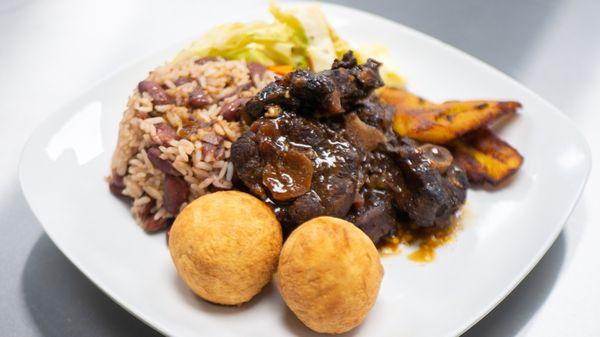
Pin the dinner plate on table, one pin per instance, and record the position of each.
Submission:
(504, 232)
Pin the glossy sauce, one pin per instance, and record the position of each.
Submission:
(426, 243)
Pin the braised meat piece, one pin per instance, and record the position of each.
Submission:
(435, 192)
(421, 178)
(248, 163)
(323, 144)
(372, 112)
(327, 93)
(375, 208)
(362, 135)
(301, 166)
(376, 217)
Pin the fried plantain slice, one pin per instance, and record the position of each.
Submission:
(426, 121)
(485, 157)
(402, 99)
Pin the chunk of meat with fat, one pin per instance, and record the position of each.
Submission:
(433, 197)
(298, 161)
(288, 176)
(362, 135)
(376, 217)
(327, 93)
(248, 163)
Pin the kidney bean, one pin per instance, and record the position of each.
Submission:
(220, 152)
(152, 225)
(158, 94)
(116, 184)
(141, 114)
(145, 211)
(165, 133)
(256, 69)
(211, 138)
(231, 111)
(198, 99)
(175, 193)
(183, 80)
(161, 164)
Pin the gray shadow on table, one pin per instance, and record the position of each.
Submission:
(56, 292)
(515, 311)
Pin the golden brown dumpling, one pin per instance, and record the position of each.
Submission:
(225, 246)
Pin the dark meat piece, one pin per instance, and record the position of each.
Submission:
(247, 163)
(323, 144)
(315, 167)
(420, 178)
(328, 93)
(274, 94)
(354, 81)
(433, 196)
(376, 217)
(183, 80)
(317, 93)
(383, 174)
(375, 209)
(306, 207)
(373, 113)
(362, 135)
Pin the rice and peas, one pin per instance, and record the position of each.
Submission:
(177, 133)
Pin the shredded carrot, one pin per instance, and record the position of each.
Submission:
(281, 69)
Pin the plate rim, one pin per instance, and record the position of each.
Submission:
(581, 142)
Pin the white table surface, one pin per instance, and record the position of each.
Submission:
(51, 50)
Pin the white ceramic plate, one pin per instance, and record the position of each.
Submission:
(505, 232)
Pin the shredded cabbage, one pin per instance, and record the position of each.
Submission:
(266, 43)
(289, 40)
